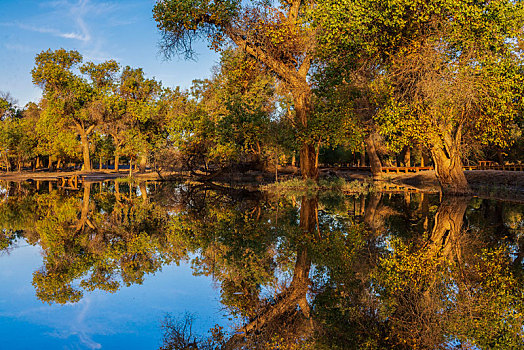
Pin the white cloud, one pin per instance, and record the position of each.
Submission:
(76, 36)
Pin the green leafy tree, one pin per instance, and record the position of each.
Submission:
(71, 101)
(278, 36)
(445, 71)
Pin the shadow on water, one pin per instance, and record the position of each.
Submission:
(323, 271)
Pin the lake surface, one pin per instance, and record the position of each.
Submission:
(118, 265)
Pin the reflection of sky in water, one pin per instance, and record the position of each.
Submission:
(130, 318)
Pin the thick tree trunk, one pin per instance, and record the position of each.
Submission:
(307, 162)
(374, 160)
(448, 168)
(117, 162)
(308, 167)
(85, 151)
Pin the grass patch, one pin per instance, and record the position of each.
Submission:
(302, 187)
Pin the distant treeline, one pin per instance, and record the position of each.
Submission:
(336, 82)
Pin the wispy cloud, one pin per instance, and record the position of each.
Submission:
(84, 35)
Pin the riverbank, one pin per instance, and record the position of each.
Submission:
(92, 176)
(486, 182)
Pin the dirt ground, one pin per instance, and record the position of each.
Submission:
(87, 176)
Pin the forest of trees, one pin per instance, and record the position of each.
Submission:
(367, 82)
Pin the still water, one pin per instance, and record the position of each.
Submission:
(118, 265)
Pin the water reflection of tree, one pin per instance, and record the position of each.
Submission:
(402, 275)
(322, 272)
(451, 289)
(96, 238)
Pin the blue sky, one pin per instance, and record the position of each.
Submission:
(99, 30)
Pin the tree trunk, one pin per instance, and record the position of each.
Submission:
(308, 168)
(85, 151)
(500, 157)
(363, 155)
(117, 162)
(448, 168)
(374, 160)
(307, 162)
(407, 156)
(317, 151)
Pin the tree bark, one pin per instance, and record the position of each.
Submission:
(85, 151)
(117, 163)
(308, 168)
(307, 162)
(449, 171)
(374, 160)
